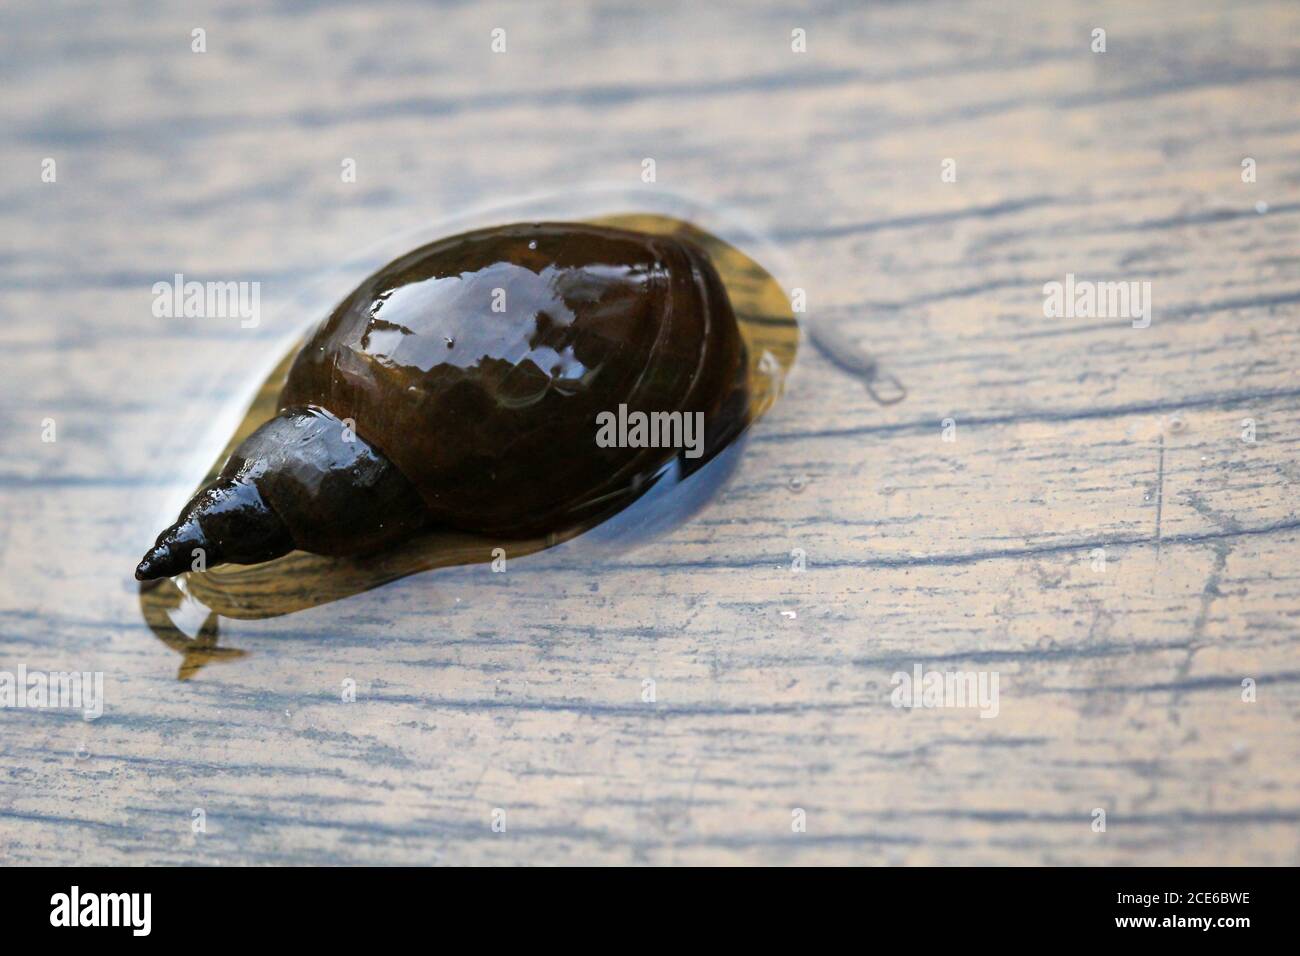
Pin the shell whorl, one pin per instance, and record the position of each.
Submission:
(478, 365)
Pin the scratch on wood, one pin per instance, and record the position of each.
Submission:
(1160, 492)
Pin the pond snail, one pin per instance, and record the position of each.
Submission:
(459, 387)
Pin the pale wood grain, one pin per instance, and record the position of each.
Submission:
(522, 690)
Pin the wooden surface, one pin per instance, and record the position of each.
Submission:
(1120, 689)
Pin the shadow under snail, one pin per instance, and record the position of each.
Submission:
(460, 386)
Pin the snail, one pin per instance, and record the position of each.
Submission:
(459, 387)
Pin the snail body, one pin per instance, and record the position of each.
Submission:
(460, 387)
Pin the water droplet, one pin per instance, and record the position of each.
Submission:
(1261, 207)
(798, 483)
(846, 354)
(532, 244)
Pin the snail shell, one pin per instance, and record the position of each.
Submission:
(459, 387)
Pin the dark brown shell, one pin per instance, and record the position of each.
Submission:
(478, 365)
